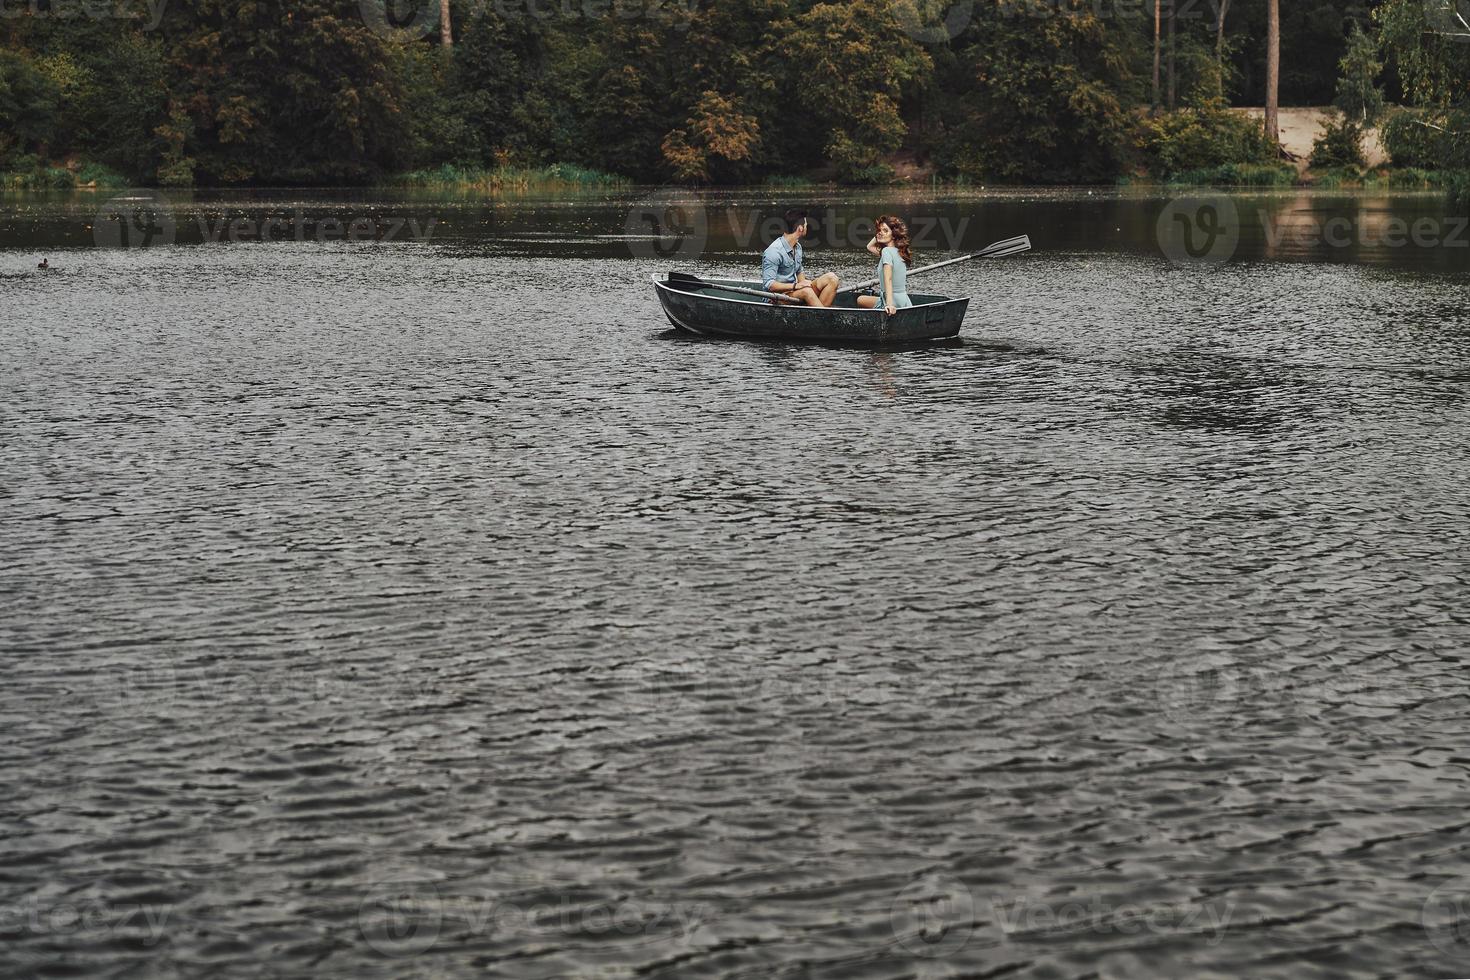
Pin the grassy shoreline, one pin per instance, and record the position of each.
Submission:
(87, 176)
(94, 176)
(1236, 176)
(508, 178)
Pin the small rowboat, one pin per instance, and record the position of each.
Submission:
(707, 306)
(739, 308)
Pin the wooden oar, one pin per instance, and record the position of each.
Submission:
(1011, 246)
(685, 279)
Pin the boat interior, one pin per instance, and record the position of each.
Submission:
(711, 288)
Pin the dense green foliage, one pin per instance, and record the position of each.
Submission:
(1026, 96)
(1431, 47)
(1196, 138)
(721, 91)
(1358, 94)
(1339, 145)
(1408, 141)
(1239, 175)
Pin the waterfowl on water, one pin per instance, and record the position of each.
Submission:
(44, 264)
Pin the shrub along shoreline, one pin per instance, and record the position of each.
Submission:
(1233, 176)
(1208, 144)
(1241, 176)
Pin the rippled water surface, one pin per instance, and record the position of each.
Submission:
(423, 606)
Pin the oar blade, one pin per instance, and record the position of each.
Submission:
(1011, 246)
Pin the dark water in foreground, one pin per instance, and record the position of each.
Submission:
(423, 607)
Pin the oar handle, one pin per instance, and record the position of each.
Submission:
(684, 278)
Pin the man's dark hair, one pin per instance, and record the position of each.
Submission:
(794, 218)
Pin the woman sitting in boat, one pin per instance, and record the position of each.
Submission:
(890, 243)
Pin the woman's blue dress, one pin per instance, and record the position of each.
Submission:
(901, 299)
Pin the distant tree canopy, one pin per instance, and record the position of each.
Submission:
(340, 91)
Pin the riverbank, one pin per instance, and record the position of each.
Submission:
(71, 175)
(1302, 125)
(82, 175)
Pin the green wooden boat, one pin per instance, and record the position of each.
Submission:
(727, 308)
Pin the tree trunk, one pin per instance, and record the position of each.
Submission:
(1220, 44)
(446, 36)
(1273, 69)
(1173, 50)
(1158, 37)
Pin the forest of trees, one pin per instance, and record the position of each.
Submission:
(206, 92)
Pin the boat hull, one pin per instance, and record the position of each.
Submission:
(714, 312)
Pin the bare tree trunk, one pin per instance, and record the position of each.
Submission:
(1273, 69)
(446, 36)
(1220, 44)
(1158, 36)
(1173, 49)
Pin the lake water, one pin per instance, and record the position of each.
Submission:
(421, 605)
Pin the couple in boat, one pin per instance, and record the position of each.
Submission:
(781, 270)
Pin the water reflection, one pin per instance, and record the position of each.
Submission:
(1397, 229)
(881, 371)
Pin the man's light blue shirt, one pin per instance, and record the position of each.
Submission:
(780, 263)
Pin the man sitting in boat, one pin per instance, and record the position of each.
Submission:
(781, 266)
